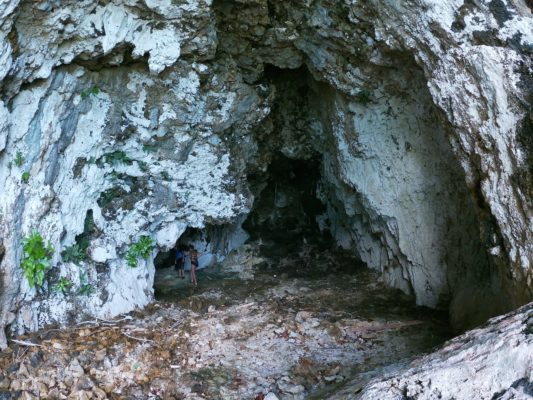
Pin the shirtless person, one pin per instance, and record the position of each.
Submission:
(179, 263)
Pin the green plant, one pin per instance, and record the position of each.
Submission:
(63, 285)
(165, 175)
(143, 166)
(142, 249)
(117, 157)
(73, 254)
(25, 177)
(363, 97)
(87, 92)
(149, 148)
(19, 159)
(108, 196)
(86, 289)
(36, 259)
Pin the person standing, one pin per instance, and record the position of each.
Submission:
(193, 254)
(179, 263)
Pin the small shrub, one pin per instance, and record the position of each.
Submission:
(149, 148)
(117, 157)
(165, 175)
(25, 177)
(91, 91)
(36, 259)
(19, 159)
(363, 97)
(142, 249)
(63, 285)
(108, 196)
(74, 254)
(86, 289)
(143, 166)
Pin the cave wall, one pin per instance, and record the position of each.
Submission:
(396, 189)
(152, 114)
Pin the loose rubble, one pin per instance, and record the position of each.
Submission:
(283, 335)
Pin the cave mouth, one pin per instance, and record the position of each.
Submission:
(285, 217)
(372, 173)
(287, 211)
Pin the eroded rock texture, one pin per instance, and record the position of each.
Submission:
(147, 117)
(501, 350)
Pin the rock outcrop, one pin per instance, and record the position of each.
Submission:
(492, 362)
(133, 118)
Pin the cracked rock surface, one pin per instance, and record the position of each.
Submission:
(126, 119)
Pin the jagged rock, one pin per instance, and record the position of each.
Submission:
(5, 383)
(494, 361)
(143, 118)
(286, 386)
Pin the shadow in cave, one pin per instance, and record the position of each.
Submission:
(285, 214)
(282, 222)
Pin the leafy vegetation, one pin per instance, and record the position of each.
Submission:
(19, 159)
(86, 289)
(78, 251)
(140, 249)
(149, 148)
(107, 197)
(91, 91)
(63, 285)
(363, 97)
(165, 175)
(117, 157)
(36, 259)
(143, 166)
(25, 177)
(74, 254)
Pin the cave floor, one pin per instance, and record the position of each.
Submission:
(301, 326)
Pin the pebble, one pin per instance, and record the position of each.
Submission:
(27, 396)
(286, 386)
(5, 383)
(16, 385)
(100, 355)
(243, 348)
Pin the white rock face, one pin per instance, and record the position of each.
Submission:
(143, 118)
(394, 154)
(492, 362)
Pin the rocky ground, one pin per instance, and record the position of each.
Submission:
(286, 327)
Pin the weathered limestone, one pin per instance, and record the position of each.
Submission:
(492, 362)
(145, 118)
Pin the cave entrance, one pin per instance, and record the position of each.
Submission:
(287, 211)
(285, 216)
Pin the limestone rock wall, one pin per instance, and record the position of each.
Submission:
(148, 115)
(501, 349)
